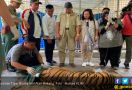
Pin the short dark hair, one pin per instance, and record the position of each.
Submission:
(124, 9)
(30, 39)
(49, 6)
(90, 12)
(35, 1)
(106, 8)
(68, 5)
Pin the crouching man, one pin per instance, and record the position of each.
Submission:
(25, 59)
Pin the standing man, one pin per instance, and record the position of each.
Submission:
(34, 20)
(68, 30)
(49, 33)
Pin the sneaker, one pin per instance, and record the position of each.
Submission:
(91, 64)
(72, 65)
(126, 66)
(61, 65)
(79, 51)
(84, 64)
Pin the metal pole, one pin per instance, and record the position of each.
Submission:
(80, 2)
(46, 2)
(118, 6)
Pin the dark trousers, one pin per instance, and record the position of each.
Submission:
(112, 54)
(38, 43)
(49, 50)
(128, 56)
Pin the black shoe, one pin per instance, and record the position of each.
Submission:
(61, 65)
(72, 64)
(126, 66)
(102, 64)
(54, 62)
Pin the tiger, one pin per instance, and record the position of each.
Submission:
(81, 79)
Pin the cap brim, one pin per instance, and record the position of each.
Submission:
(19, 2)
(38, 2)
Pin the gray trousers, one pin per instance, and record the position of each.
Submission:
(128, 56)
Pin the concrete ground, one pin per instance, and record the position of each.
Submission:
(78, 61)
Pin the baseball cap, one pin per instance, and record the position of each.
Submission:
(35, 1)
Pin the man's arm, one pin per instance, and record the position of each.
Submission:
(58, 27)
(18, 65)
(4, 12)
(24, 18)
(45, 26)
(78, 28)
(96, 30)
(23, 67)
(58, 30)
(39, 57)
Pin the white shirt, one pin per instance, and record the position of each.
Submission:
(48, 24)
(90, 29)
(37, 27)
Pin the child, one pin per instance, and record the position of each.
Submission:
(89, 36)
